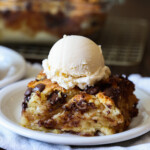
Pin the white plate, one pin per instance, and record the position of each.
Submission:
(11, 98)
(12, 66)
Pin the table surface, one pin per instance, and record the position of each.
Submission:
(134, 9)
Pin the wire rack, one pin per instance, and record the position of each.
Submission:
(123, 41)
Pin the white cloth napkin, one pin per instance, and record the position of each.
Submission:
(12, 141)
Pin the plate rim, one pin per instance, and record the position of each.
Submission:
(19, 74)
(56, 138)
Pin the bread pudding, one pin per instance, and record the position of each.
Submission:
(76, 93)
(107, 107)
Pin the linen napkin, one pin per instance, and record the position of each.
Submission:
(12, 141)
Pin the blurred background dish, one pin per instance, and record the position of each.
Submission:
(12, 66)
(42, 22)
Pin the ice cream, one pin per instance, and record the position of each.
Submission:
(75, 61)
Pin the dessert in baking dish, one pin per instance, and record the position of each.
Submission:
(76, 93)
(46, 21)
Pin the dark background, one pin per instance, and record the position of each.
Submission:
(135, 9)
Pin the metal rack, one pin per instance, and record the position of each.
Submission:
(123, 41)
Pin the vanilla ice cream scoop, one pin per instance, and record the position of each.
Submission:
(75, 61)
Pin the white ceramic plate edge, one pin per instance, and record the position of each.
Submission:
(57, 139)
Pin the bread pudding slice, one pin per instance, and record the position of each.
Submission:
(107, 107)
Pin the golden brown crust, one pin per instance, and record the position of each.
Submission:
(51, 108)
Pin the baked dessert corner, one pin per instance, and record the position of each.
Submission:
(106, 108)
